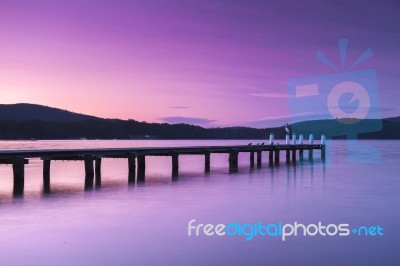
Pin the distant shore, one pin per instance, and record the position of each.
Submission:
(36, 122)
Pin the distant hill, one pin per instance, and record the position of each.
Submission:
(25, 111)
(28, 121)
(393, 119)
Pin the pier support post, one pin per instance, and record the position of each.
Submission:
(97, 170)
(311, 139)
(46, 175)
(89, 171)
(310, 151)
(271, 158)
(277, 151)
(131, 168)
(252, 159)
(287, 156)
(301, 155)
(310, 154)
(207, 161)
(141, 161)
(259, 159)
(19, 177)
(271, 138)
(175, 165)
(294, 155)
(323, 141)
(233, 161)
(301, 139)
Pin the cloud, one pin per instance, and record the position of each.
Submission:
(298, 115)
(270, 94)
(272, 121)
(178, 107)
(186, 120)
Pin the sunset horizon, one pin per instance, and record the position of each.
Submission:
(210, 63)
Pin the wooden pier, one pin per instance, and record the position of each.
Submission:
(136, 158)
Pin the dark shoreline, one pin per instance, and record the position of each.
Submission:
(34, 122)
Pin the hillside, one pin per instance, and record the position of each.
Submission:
(25, 111)
(28, 121)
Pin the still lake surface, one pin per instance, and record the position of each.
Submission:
(146, 224)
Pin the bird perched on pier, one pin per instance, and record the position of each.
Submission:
(288, 129)
(262, 143)
(249, 144)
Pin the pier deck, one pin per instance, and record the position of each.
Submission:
(137, 162)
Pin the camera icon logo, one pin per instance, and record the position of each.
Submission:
(339, 105)
(358, 92)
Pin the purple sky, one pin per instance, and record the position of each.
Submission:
(210, 63)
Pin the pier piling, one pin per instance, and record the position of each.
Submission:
(277, 157)
(310, 151)
(271, 158)
(301, 155)
(287, 156)
(233, 161)
(301, 139)
(323, 141)
(97, 171)
(252, 159)
(271, 139)
(175, 165)
(141, 161)
(310, 154)
(294, 139)
(259, 159)
(294, 155)
(46, 175)
(89, 171)
(207, 161)
(19, 176)
(131, 168)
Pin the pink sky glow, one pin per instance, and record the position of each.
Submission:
(220, 62)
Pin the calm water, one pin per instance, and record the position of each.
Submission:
(146, 224)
